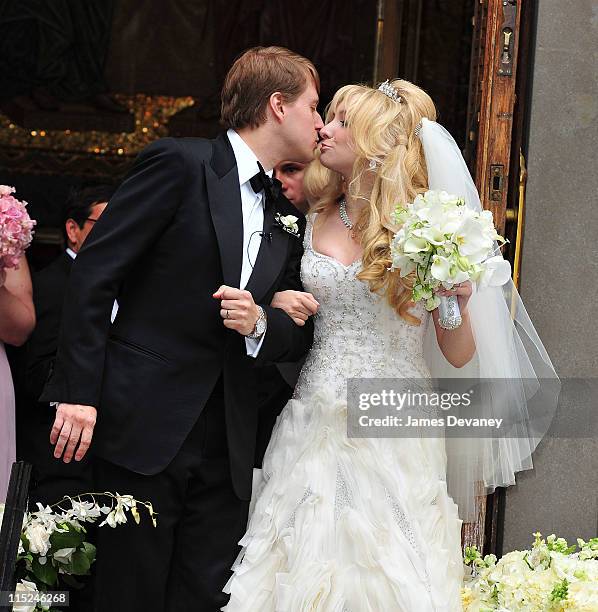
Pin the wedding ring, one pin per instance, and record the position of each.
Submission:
(226, 314)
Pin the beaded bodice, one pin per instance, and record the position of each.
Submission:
(356, 332)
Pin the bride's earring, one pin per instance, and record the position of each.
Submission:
(373, 163)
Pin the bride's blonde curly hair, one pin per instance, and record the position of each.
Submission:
(382, 130)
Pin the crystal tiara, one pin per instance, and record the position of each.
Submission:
(387, 89)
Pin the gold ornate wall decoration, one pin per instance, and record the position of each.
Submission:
(78, 152)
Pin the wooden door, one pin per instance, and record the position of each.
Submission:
(491, 123)
(494, 126)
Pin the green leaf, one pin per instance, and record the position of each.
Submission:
(69, 539)
(44, 573)
(71, 581)
(25, 542)
(80, 564)
(90, 551)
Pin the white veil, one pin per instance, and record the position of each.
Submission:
(507, 347)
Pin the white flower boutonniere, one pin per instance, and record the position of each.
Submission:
(288, 223)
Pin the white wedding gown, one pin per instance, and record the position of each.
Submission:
(349, 524)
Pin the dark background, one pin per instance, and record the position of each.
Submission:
(184, 48)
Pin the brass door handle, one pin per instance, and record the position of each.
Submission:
(517, 216)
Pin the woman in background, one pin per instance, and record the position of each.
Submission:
(17, 320)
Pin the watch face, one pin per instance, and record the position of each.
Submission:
(261, 326)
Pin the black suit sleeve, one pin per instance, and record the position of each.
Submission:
(136, 215)
(285, 340)
(40, 350)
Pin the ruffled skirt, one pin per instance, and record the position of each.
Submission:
(348, 524)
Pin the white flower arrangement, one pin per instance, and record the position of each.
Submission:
(446, 243)
(288, 223)
(53, 549)
(551, 577)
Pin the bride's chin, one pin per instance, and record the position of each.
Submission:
(327, 164)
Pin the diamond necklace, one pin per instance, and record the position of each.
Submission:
(342, 211)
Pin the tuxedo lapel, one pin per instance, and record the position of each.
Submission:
(224, 198)
(271, 257)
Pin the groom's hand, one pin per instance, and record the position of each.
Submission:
(73, 424)
(237, 309)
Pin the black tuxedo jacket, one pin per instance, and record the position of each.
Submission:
(50, 479)
(170, 236)
(49, 286)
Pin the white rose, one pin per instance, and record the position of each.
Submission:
(39, 539)
(25, 586)
(289, 220)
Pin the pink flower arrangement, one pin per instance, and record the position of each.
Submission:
(16, 228)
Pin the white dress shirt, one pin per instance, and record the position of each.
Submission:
(252, 206)
(72, 254)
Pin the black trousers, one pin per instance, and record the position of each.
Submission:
(185, 561)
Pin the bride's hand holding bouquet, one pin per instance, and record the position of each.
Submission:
(447, 246)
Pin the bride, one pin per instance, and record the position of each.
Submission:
(345, 524)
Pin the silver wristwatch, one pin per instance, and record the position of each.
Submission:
(260, 325)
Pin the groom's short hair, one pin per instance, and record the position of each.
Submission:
(255, 76)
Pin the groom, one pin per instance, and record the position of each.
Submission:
(165, 397)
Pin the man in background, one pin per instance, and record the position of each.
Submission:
(51, 478)
(290, 174)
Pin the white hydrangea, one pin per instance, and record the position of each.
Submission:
(547, 578)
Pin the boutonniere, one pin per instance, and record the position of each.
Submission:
(287, 223)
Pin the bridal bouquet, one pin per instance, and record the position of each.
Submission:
(446, 243)
(15, 228)
(53, 549)
(548, 578)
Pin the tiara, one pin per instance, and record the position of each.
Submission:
(387, 89)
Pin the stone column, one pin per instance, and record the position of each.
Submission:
(559, 278)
